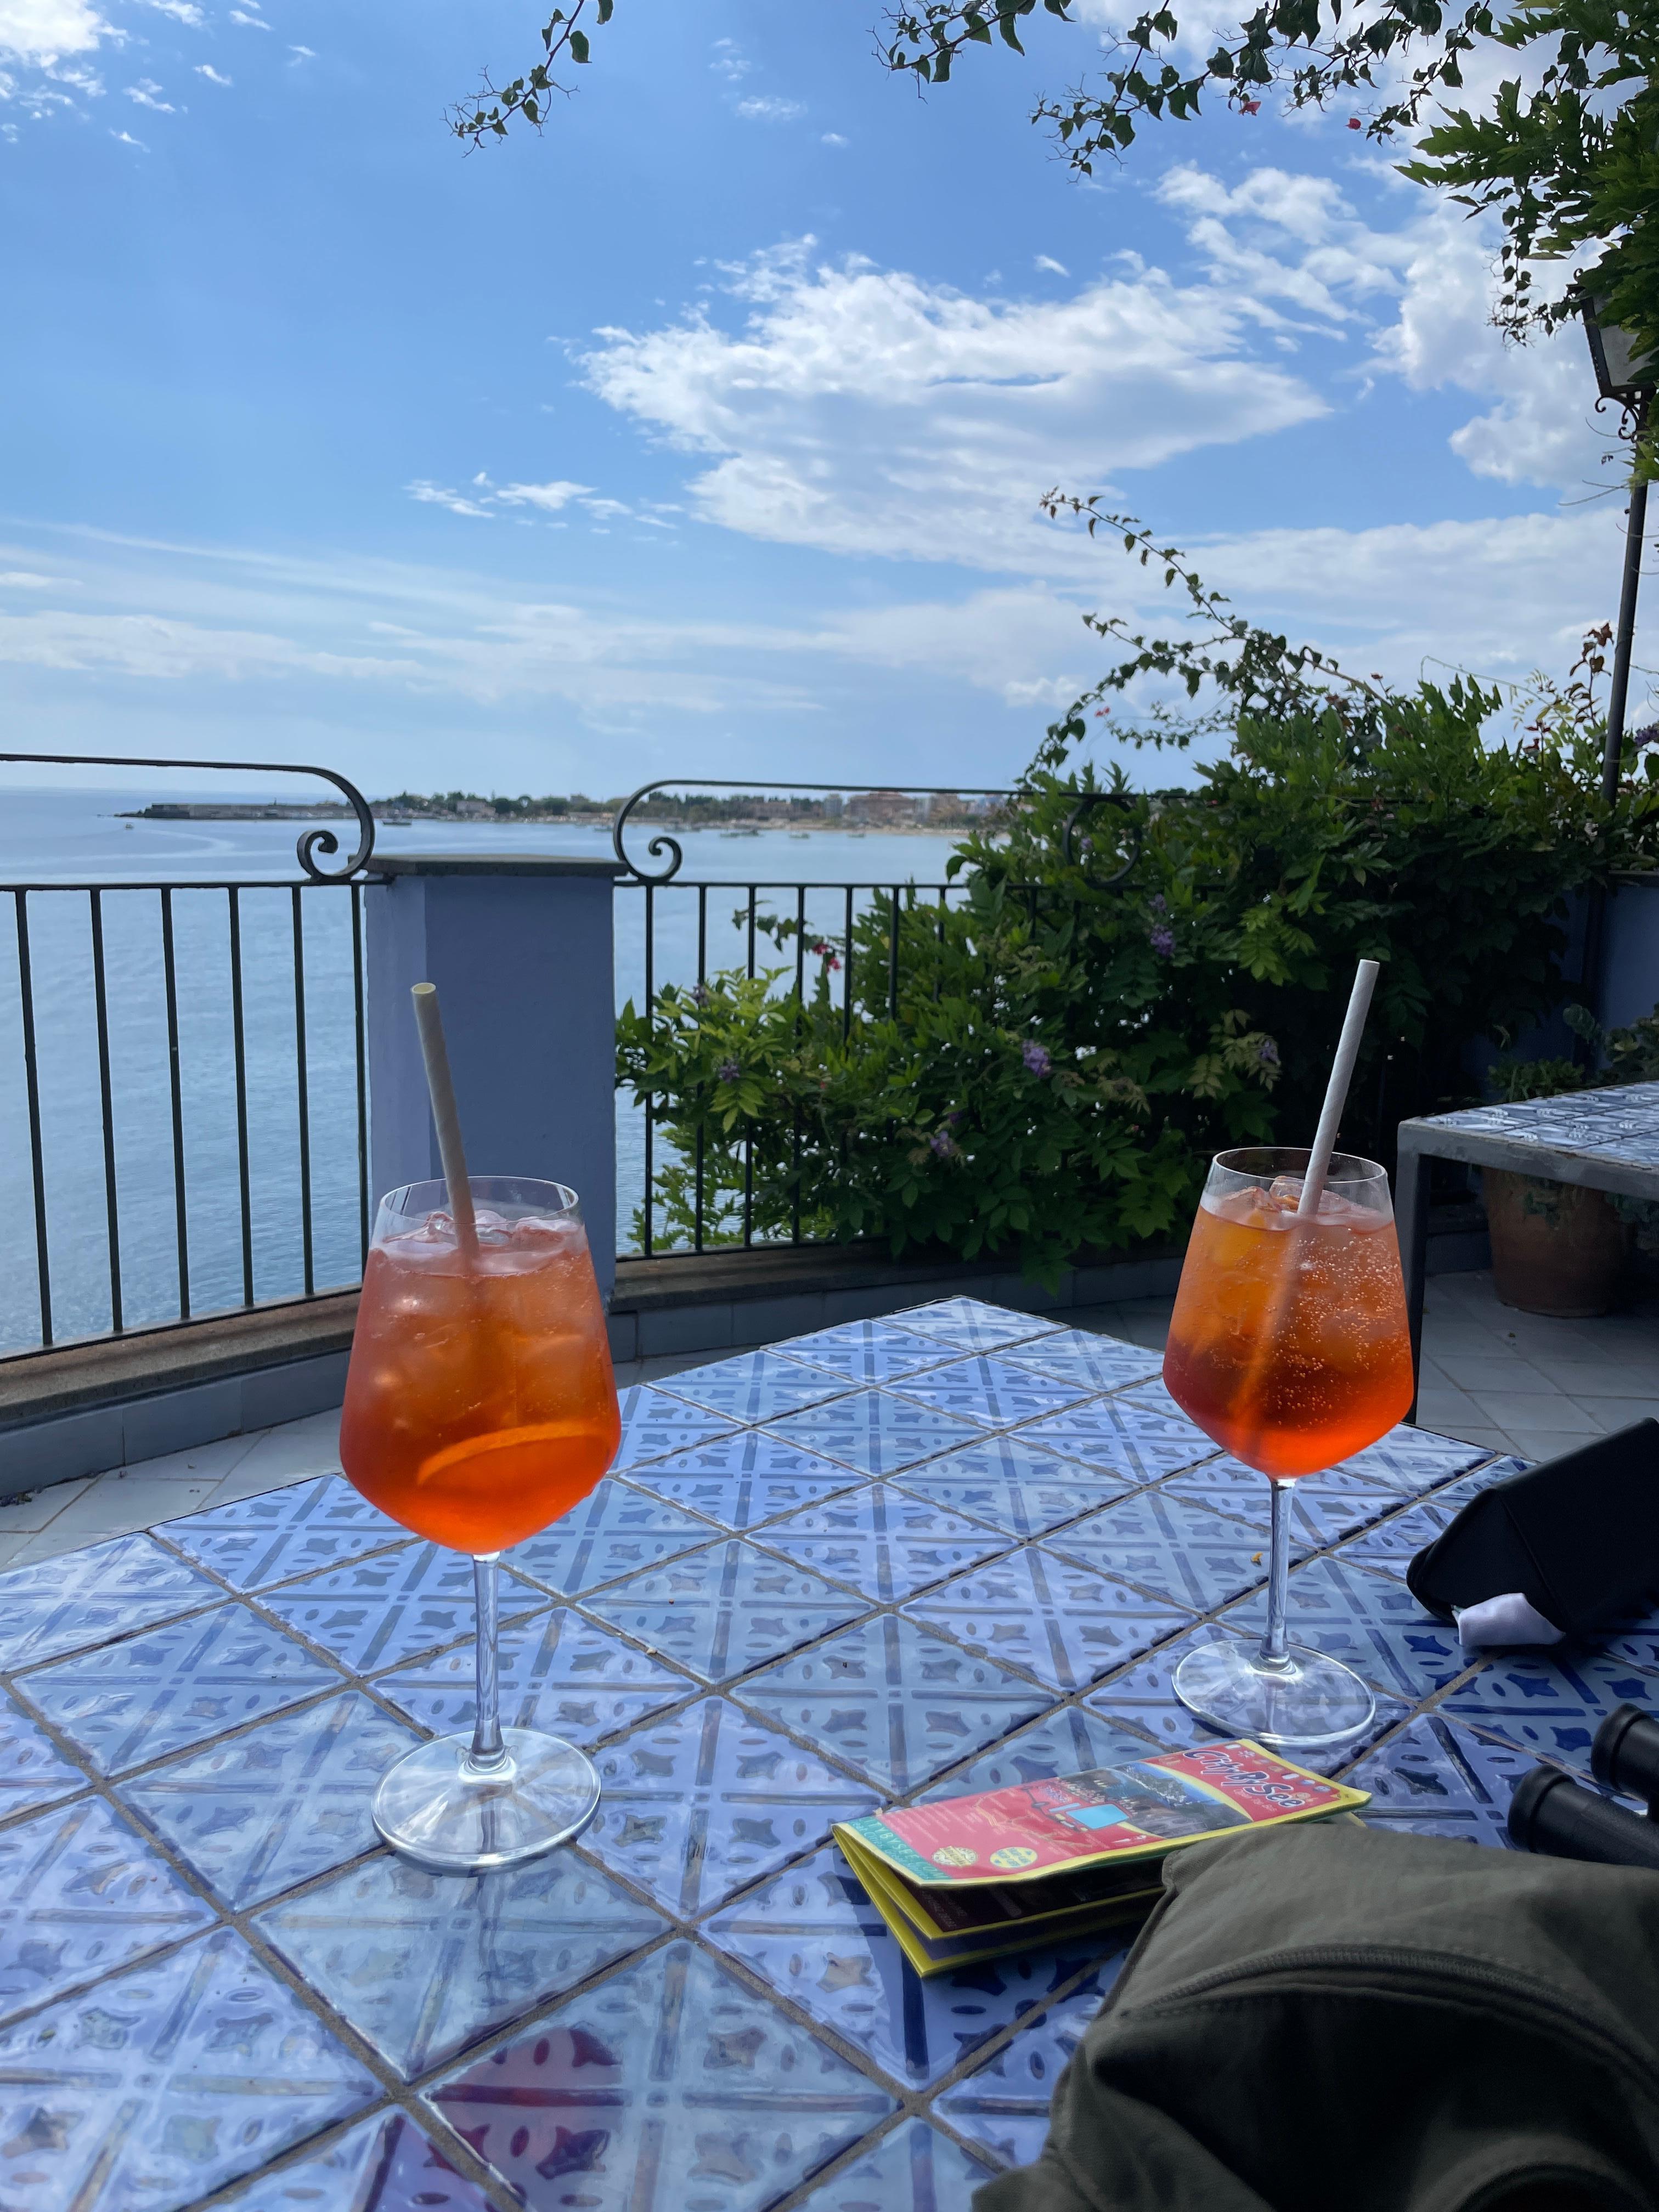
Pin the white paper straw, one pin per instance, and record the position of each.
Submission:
(1336, 1090)
(430, 1023)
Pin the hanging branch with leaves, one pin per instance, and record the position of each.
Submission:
(528, 95)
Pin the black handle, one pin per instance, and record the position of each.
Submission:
(1552, 1813)
(1624, 1756)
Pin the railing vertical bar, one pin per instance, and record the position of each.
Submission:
(32, 1081)
(107, 1109)
(794, 1140)
(650, 1209)
(847, 971)
(302, 1096)
(702, 971)
(939, 965)
(363, 1066)
(238, 1042)
(893, 957)
(169, 969)
(748, 1138)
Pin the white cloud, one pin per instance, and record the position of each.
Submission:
(832, 138)
(126, 138)
(26, 579)
(729, 60)
(864, 411)
(250, 22)
(207, 70)
(550, 497)
(1054, 268)
(303, 53)
(182, 11)
(763, 107)
(42, 32)
(432, 495)
(147, 93)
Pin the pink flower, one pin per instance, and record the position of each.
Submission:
(1252, 107)
(1353, 123)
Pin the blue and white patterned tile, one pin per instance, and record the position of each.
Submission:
(693, 1807)
(1325, 1509)
(82, 1895)
(916, 2168)
(1411, 1460)
(756, 1386)
(166, 2083)
(1063, 1623)
(1194, 1558)
(1071, 1740)
(654, 1424)
(1003, 2107)
(973, 1324)
(720, 1612)
(812, 1935)
(1371, 1622)
(268, 1809)
(386, 1611)
(873, 1431)
(741, 1479)
(1119, 1437)
(882, 1542)
(669, 2085)
(33, 1770)
(1002, 1480)
(1392, 1543)
(1093, 1363)
(991, 1393)
(1142, 1701)
(868, 1352)
(255, 1541)
(423, 1965)
(559, 1673)
(614, 1531)
(82, 1598)
(1551, 1707)
(1154, 1396)
(1439, 1779)
(892, 1702)
(175, 1686)
(382, 2164)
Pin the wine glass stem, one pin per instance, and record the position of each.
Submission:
(487, 1747)
(1273, 1645)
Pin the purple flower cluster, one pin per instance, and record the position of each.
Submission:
(1162, 940)
(942, 1144)
(1268, 1053)
(729, 1071)
(1037, 1059)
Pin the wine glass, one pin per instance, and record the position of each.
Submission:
(480, 1406)
(1289, 1345)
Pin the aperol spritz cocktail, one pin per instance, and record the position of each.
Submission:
(480, 1407)
(1289, 1345)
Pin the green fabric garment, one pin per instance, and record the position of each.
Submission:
(1331, 2019)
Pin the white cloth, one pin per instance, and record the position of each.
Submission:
(1506, 1620)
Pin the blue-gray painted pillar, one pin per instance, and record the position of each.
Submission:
(1630, 955)
(521, 950)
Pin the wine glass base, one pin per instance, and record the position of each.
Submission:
(441, 1807)
(1307, 1703)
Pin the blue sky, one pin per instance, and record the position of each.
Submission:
(705, 432)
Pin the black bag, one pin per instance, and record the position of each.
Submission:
(1332, 2016)
(1577, 1535)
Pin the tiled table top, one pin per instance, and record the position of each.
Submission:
(902, 1558)
(1609, 1138)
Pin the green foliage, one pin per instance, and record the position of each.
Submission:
(1512, 1081)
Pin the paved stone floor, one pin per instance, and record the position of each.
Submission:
(1508, 1381)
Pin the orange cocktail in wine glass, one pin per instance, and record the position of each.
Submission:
(1289, 1345)
(480, 1406)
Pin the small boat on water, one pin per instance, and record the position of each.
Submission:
(799, 836)
(740, 833)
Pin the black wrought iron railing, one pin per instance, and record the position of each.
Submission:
(184, 1120)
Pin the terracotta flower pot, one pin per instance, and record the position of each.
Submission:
(1556, 1248)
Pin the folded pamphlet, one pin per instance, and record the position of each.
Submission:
(1040, 1863)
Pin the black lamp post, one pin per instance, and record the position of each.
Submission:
(1630, 381)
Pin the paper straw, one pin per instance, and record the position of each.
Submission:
(430, 1023)
(1336, 1090)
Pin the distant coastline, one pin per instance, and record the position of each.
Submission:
(881, 812)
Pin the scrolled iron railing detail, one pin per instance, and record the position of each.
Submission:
(1086, 806)
(310, 842)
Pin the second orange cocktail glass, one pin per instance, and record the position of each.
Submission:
(1289, 1345)
(480, 1407)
